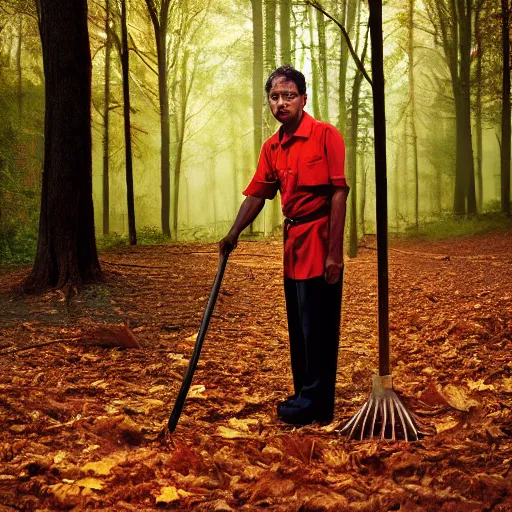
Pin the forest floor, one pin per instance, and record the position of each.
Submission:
(83, 423)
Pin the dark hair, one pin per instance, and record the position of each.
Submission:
(291, 75)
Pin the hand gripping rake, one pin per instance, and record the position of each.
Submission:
(383, 415)
(187, 380)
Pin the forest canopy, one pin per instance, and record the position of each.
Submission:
(198, 112)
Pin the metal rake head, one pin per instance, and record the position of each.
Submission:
(382, 416)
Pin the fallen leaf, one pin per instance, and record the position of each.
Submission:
(192, 338)
(479, 385)
(458, 398)
(446, 425)
(90, 483)
(171, 494)
(101, 467)
(197, 391)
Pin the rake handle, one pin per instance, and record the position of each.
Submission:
(379, 117)
(187, 380)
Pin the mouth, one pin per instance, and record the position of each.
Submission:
(283, 113)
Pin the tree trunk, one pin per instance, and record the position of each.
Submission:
(479, 40)
(106, 114)
(315, 85)
(347, 18)
(257, 75)
(322, 61)
(412, 112)
(284, 32)
(160, 22)
(66, 248)
(352, 153)
(125, 64)
(505, 116)
(179, 143)
(18, 68)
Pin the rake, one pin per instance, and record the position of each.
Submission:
(383, 415)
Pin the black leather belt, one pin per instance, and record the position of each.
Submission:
(319, 214)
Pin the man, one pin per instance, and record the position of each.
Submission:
(304, 160)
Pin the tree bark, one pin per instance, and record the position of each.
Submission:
(257, 75)
(19, 69)
(284, 32)
(160, 22)
(412, 111)
(505, 116)
(66, 249)
(315, 82)
(106, 115)
(479, 40)
(125, 64)
(322, 61)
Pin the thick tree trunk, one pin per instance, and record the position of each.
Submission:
(106, 115)
(505, 116)
(284, 32)
(125, 64)
(66, 249)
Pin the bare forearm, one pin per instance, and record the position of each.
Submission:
(337, 224)
(248, 211)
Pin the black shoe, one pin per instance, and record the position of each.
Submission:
(304, 415)
(286, 402)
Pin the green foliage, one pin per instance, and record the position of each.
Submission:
(17, 246)
(145, 236)
(454, 226)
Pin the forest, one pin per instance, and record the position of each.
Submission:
(128, 131)
(187, 79)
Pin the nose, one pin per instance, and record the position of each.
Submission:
(281, 100)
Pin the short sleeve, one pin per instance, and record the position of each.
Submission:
(335, 150)
(264, 182)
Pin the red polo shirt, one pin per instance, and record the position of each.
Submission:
(305, 168)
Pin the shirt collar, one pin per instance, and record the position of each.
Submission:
(303, 130)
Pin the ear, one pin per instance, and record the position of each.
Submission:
(304, 99)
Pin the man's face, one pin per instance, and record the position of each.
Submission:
(285, 101)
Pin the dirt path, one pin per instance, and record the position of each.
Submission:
(82, 423)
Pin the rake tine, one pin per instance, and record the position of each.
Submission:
(392, 410)
(358, 416)
(353, 420)
(375, 410)
(385, 417)
(409, 420)
(402, 419)
(366, 415)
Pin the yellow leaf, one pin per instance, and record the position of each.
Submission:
(242, 425)
(90, 483)
(101, 467)
(458, 398)
(479, 385)
(192, 338)
(197, 391)
(168, 495)
(230, 433)
(506, 382)
(157, 389)
(446, 425)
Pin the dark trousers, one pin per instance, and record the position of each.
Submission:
(314, 309)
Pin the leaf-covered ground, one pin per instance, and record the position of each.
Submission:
(82, 419)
